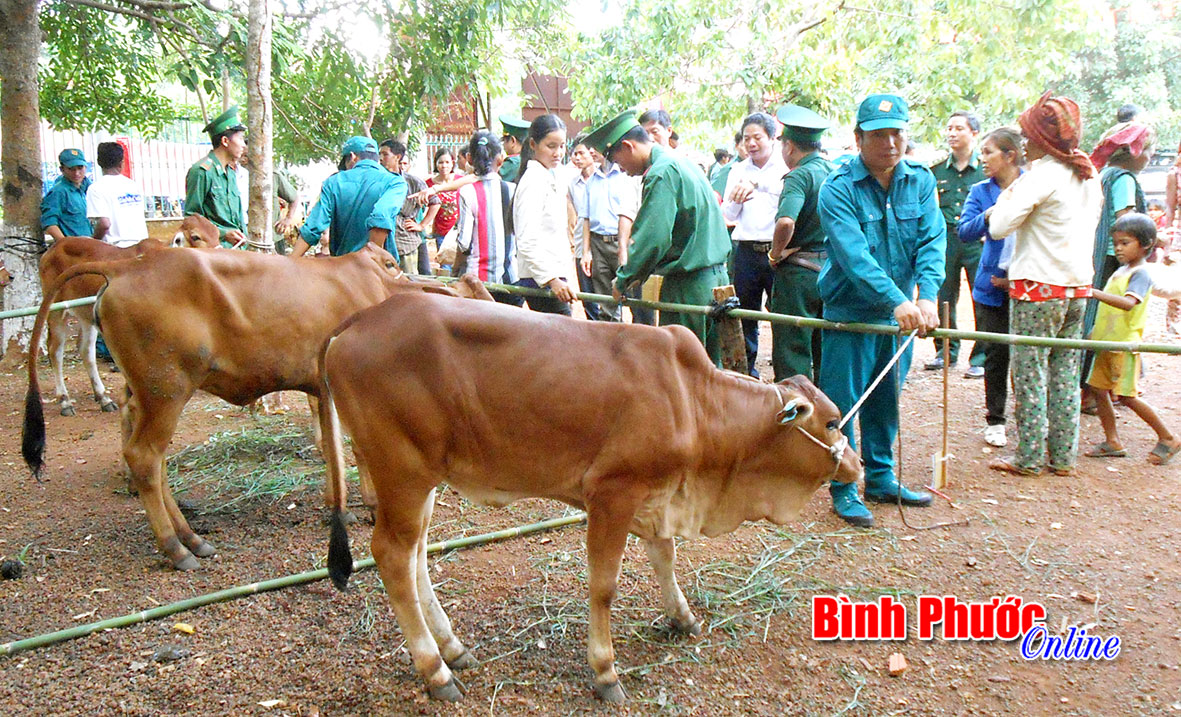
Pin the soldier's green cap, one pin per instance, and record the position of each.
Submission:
(801, 124)
(225, 122)
(357, 145)
(514, 126)
(71, 158)
(604, 137)
(882, 112)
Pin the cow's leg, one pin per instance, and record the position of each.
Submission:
(395, 546)
(90, 360)
(195, 543)
(454, 653)
(55, 346)
(148, 428)
(606, 537)
(662, 552)
(317, 430)
(368, 494)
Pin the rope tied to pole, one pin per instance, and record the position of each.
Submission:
(719, 310)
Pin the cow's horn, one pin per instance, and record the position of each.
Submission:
(792, 409)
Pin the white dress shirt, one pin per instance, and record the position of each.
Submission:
(540, 226)
(755, 218)
(1054, 215)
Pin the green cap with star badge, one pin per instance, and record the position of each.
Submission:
(514, 126)
(225, 122)
(882, 112)
(604, 138)
(801, 124)
(70, 158)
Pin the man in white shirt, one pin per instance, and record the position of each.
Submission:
(751, 202)
(116, 202)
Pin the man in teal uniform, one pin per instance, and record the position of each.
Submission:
(678, 231)
(884, 235)
(797, 247)
(516, 130)
(211, 186)
(352, 202)
(63, 208)
(954, 176)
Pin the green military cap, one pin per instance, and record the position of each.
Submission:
(604, 138)
(225, 122)
(71, 158)
(801, 124)
(357, 145)
(514, 126)
(882, 112)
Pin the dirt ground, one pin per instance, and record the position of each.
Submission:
(1099, 549)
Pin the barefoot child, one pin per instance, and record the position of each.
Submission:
(1122, 318)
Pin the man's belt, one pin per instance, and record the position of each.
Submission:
(811, 260)
(758, 247)
(605, 237)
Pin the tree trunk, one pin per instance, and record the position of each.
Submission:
(258, 110)
(21, 241)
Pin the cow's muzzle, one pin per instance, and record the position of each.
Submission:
(835, 450)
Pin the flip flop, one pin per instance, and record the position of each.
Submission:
(1106, 450)
(1007, 465)
(1163, 453)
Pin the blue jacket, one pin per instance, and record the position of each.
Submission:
(64, 205)
(974, 227)
(880, 245)
(353, 201)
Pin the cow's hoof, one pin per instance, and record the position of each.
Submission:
(67, 410)
(466, 661)
(203, 549)
(612, 693)
(450, 692)
(189, 562)
(689, 627)
(109, 406)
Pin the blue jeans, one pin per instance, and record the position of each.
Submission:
(753, 282)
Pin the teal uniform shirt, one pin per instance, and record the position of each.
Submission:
(351, 203)
(64, 205)
(678, 228)
(211, 190)
(510, 168)
(801, 189)
(718, 182)
(880, 244)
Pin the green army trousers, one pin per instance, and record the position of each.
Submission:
(695, 288)
(795, 349)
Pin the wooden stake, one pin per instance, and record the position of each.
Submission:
(730, 334)
(939, 467)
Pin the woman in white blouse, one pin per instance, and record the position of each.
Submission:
(539, 217)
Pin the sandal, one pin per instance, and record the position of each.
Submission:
(1007, 465)
(1163, 453)
(1106, 450)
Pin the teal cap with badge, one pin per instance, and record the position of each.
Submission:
(357, 145)
(225, 122)
(882, 112)
(70, 158)
(604, 137)
(801, 124)
(515, 127)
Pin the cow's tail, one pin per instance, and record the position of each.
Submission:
(33, 430)
(340, 559)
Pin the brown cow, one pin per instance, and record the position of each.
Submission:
(195, 231)
(235, 324)
(630, 423)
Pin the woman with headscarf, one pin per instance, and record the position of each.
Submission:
(1053, 209)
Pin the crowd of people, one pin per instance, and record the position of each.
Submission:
(1051, 242)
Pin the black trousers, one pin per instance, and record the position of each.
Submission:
(994, 319)
(544, 304)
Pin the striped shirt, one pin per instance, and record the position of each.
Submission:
(492, 252)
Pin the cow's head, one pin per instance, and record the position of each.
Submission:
(816, 419)
(198, 232)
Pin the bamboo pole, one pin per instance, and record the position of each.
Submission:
(32, 310)
(266, 586)
(888, 329)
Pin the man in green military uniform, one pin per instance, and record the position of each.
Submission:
(361, 198)
(954, 176)
(797, 247)
(211, 186)
(63, 209)
(513, 139)
(678, 231)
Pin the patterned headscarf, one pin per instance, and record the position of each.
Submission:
(1053, 123)
(1135, 136)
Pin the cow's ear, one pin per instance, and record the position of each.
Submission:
(795, 408)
